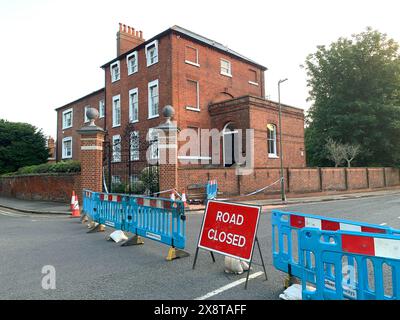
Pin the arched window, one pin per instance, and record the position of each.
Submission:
(271, 139)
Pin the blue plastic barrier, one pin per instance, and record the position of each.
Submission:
(159, 219)
(89, 204)
(350, 265)
(285, 238)
(212, 189)
(162, 220)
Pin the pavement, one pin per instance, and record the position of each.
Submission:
(89, 267)
(33, 206)
(47, 207)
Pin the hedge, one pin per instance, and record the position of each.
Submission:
(58, 167)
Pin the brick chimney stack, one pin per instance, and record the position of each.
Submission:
(128, 38)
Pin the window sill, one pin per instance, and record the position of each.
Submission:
(133, 72)
(226, 74)
(113, 81)
(193, 109)
(192, 63)
(253, 83)
(66, 158)
(153, 117)
(133, 121)
(151, 64)
(273, 156)
(66, 128)
(116, 126)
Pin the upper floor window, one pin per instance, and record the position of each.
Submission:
(153, 99)
(116, 148)
(85, 118)
(271, 139)
(115, 71)
(152, 53)
(132, 62)
(134, 145)
(134, 105)
(67, 148)
(226, 68)
(253, 78)
(192, 95)
(102, 110)
(192, 56)
(116, 111)
(67, 119)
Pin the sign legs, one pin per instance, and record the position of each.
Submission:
(262, 261)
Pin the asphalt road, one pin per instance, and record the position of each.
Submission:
(89, 267)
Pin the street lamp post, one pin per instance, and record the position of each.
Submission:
(283, 195)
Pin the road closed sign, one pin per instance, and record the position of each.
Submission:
(229, 229)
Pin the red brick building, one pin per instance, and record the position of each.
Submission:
(209, 86)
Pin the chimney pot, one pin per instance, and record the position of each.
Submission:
(141, 34)
(133, 31)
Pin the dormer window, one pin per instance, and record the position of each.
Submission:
(152, 53)
(115, 72)
(132, 62)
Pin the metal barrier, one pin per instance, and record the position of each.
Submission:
(350, 265)
(285, 239)
(159, 219)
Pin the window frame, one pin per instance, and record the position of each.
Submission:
(227, 74)
(133, 54)
(197, 108)
(70, 110)
(102, 106)
(150, 134)
(149, 100)
(113, 156)
(134, 153)
(274, 140)
(119, 71)
(196, 64)
(131, 92)
(85, 118)
(149, 45)
(115, 98)
(64, 156)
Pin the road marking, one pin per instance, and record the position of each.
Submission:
(229, 286)
(383, 224)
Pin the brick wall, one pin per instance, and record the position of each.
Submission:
(298, 180)
(55, 187)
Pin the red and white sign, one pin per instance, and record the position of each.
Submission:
(230, 229)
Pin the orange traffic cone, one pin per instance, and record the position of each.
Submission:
(73, 200)
(184, 199)
(75, 210)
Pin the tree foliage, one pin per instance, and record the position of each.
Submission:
(21, 144)
(355, 88)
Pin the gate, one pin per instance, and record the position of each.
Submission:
(130, 163)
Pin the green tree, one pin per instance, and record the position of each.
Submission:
(355, 89)
(21, 144)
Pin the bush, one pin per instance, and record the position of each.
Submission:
(59, 167)
(149, 176)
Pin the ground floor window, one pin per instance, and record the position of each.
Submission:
(67, 148)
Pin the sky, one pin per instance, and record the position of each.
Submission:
(51, 50)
